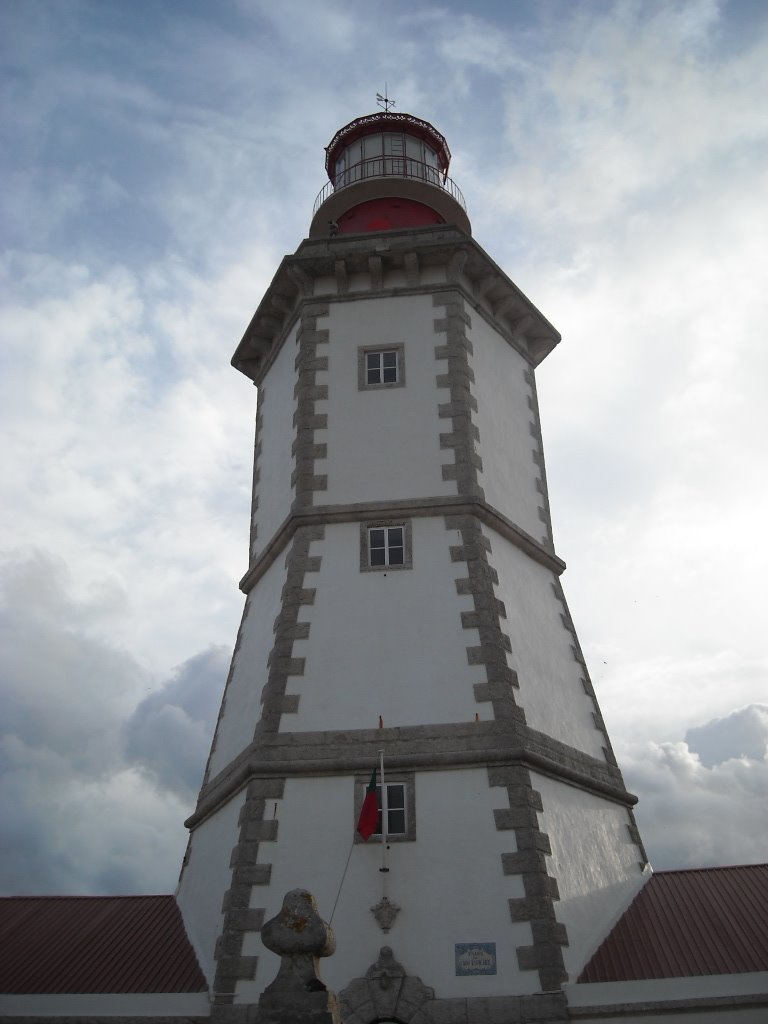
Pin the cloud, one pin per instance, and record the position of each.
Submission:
(742, 735)
(656, 696)
(95, 772)
(65, 690)
(125, 420)
(71, 833)
(169, 733)
(705, 811)
(157, 168)
(630, 100)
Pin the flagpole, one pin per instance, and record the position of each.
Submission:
(384, 822)
(341, 883)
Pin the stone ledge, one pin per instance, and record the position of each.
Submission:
(471, 276)
(499, 745)
(98, 1018)
(663, 1007)
(425, 507)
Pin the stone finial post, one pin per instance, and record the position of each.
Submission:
(299, 937)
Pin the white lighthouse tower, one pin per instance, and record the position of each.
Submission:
(403, 603)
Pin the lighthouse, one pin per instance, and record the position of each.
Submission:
(405, 631)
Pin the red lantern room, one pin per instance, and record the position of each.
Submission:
(387, 171)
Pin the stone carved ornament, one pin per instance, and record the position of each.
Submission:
(299, 937)
(385, 912)
(385, 993)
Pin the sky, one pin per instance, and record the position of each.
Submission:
(158, 160)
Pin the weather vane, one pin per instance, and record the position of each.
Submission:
(384, 101)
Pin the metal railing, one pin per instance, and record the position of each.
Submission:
(390, 167)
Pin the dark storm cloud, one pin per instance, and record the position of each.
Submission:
(64, 688)
(96, 778)
(169, 733)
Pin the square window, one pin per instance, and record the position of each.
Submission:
(385, 546)
(380, 367)
(401, 807)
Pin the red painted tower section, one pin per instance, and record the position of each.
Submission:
(386, 214)
(387, 171)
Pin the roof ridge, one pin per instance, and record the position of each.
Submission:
(90, 896)
(714, 867)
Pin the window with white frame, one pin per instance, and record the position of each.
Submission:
(396, 809)
(401, 806)
(385, 545)
(382, 367)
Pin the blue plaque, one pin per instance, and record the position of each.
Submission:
(475, 958)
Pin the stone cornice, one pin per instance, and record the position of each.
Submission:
(372, 257)
(632, 1009)
(426, 748)
(320, 515)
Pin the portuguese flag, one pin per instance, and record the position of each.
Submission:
(369, 812)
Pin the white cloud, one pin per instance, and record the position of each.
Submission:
(693, 813)
(635, 106)
(613, 160)
(131, 435)
(742, 735)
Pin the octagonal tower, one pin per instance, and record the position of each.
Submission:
(403, 596)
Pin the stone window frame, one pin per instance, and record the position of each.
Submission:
(379, 524)
(362, 376)
(408, 779)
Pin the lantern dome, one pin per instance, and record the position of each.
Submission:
(386, 171)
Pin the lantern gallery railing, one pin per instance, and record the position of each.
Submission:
(386, 167)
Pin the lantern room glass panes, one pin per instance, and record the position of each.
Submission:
(384, 153)
(394, 149)
(431, 170)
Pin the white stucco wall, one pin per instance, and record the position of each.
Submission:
(391, 644)
(550, 678)
(503, 418)
(596, 864)
(383, 444)
(112, 1004)
(659, 990)
(449, 883)
(386, 643)
(242, 709)
(275, 463)
(205, 878)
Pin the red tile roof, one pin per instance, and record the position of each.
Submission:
(67, 944)
(684, 924)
